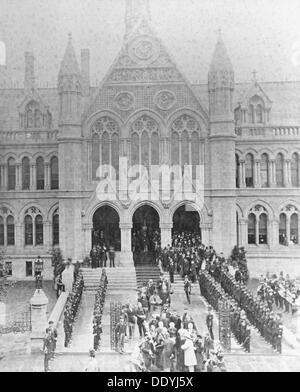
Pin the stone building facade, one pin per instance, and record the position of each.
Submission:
(246, 136)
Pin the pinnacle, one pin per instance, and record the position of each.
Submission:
(69, 64)
(220, 58)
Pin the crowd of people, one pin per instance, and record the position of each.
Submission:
(98, 310)
(168, 342)
(212, 291)
(279, 290)
(99, 255)
(71, 308)
(188, 256)
(258, 313)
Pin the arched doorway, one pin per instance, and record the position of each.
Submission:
(186, 219)
(145, 230)
(106, 229)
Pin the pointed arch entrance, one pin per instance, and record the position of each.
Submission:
(145, 230)
(186, 219)
(106, 227)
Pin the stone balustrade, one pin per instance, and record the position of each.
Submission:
(264, 132)
(29, 135)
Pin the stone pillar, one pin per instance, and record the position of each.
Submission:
(126, 257)
(274, 234)
(47, 176)
(257, 183)
(38, 306)
(68, 277)
(33, 177)
(205, 234)
(19, 240)
(166, 234)
(2, 313)
(2, 176)
(272, 170)
(87, 235)
(288, 173)
(242, 174)
(18, 177)
(47, 234)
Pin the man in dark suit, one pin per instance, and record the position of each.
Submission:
(171, 270)
(210, 322)
(111, 254)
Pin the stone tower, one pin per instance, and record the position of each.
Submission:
(222, 149)
(70, 152)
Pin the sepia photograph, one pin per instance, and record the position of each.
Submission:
(149, 188)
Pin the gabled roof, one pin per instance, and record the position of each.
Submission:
(256, 90)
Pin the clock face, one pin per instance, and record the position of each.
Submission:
(144, 49)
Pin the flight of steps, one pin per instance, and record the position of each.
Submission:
(144, 272)
(177, 286)
(91, 278)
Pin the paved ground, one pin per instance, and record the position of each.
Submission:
(261, 359)
(18, 296)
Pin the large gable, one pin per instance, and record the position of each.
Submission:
(144, 76)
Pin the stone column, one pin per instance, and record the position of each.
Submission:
(126, 258)
(257, 183)
(18, 177)
(19, 240)
(166, 234)
(205, 234)
(243, 227)
(242, 174)
(87, 233)
(38, 306)
(47, 176)
(257, 230)
(68, 277)
(272, 173)
(2, 183)
(33, 177)
(287, 173)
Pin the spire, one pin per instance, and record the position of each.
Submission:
(220, 60)
(69, 65)
(136, 10)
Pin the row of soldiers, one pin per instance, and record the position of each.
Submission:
(258, 313)
(214, 293)
(71, 308)
(98, 310)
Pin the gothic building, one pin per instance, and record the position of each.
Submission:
(52, 141)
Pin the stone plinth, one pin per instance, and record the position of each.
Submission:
(2, 313)
(38, 305)
(68, 277)
(126, 259)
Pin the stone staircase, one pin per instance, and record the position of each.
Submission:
(144, 272)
